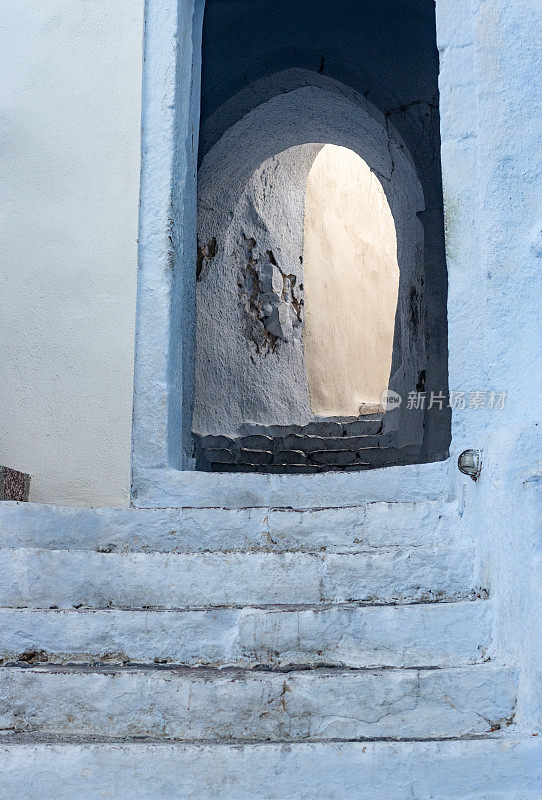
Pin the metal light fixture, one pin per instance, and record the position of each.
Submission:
(470, 463)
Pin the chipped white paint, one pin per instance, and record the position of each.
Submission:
(251, 203)
(440, 634)
(419, 635)
(188, 530)
(68, 578)
(263, 706)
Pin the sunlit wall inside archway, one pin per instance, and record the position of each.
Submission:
(351, 278)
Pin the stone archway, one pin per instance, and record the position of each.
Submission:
(176, 79)
(250, 365)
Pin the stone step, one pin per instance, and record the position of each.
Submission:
(507, 768)
(191, 530)
(66, 578)
(159, 488)
(481, 769)
(239, 705)
(437, 634)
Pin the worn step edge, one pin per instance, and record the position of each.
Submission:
(30, 738)
(64, 578)
(350, 636)
(316, 705)
(347, 529)
(480, 769)
(162, 488)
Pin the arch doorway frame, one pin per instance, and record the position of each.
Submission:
(162, 471)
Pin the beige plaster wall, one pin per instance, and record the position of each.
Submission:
(351, 284)
(70, 106)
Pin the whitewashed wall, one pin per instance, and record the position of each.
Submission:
(70, 105)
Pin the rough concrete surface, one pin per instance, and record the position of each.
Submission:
(418, 635)
(501, 769)
(220, 705)
(185, 530)
(66, 578)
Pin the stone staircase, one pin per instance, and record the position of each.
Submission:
(225, 654)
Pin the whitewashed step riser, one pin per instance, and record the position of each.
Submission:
(441, 634)
(63, 578)
(293, 706)
(506, 769)
(193, 530)
(162, 488)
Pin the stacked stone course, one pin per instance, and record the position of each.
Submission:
(350, 444)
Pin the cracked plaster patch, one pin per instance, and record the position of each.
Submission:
(272, 299)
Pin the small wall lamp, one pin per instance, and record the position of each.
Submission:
(470, 463)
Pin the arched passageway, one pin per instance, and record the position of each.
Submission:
(284, 345)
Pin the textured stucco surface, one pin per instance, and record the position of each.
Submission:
(349, 529)
(473, 664)
(71, 98)
(69, 579)
(202, 705)
(351, 281)
(353, 636)
(491, 105)
(481, 770)
(488, 60)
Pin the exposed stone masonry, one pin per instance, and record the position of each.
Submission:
(340, 445)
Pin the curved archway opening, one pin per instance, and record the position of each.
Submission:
(310, 268)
